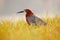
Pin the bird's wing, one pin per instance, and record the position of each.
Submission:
(32, 20)
(38, 20)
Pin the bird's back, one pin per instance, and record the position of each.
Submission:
(39, 21)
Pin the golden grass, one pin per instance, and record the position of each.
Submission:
(20, 30)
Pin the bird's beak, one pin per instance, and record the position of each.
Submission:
(20, 12)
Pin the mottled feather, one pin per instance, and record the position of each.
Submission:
(35, 20)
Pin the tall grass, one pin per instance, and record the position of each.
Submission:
(20, 30)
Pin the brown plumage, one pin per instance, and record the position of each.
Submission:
(31, 18)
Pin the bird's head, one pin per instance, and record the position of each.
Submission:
(28, 11)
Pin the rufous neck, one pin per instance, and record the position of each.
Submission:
(28, 14)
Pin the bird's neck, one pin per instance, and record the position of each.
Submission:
(29, 14)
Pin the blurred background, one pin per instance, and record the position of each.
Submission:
(41, 8)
